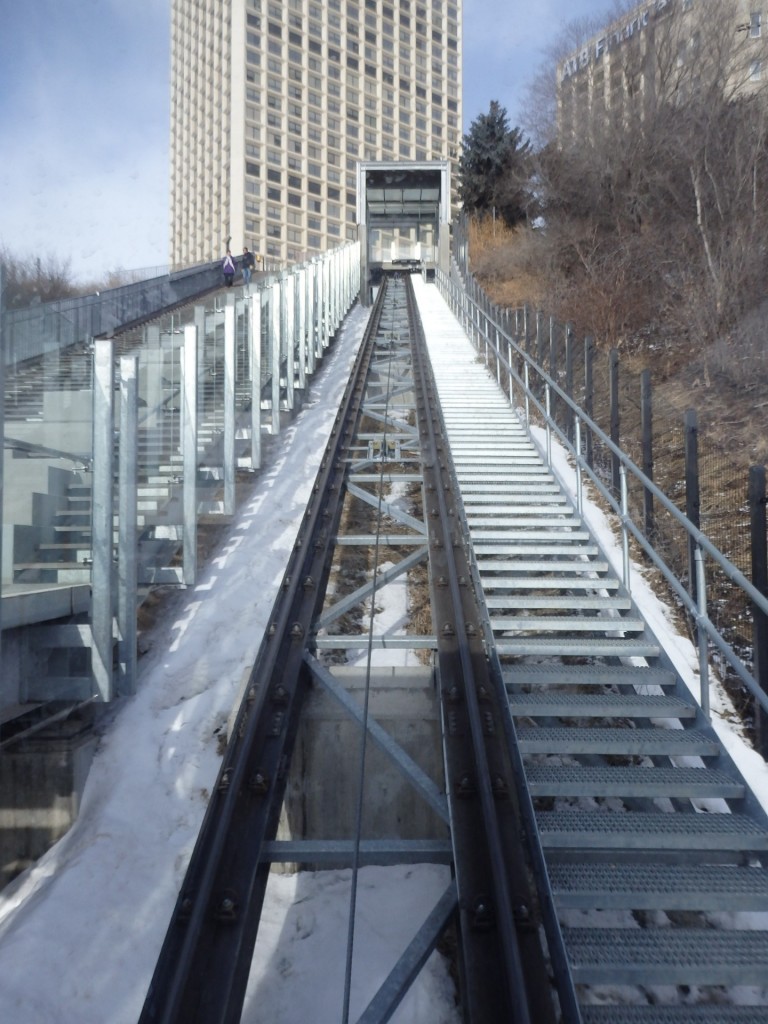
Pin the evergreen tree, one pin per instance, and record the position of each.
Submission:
(494, 168)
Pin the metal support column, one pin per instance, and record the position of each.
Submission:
(229, 406)
(288, 335)
(101, 522)
(300, 300)
(274, 340)
(254, 335)
(127, 546)
(189, 451)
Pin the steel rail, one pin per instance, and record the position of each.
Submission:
(202, 971)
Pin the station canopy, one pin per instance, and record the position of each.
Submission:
(402, 193)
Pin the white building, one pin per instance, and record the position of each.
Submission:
(661, 50)
(274, 102)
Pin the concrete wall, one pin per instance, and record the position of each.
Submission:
(322, 792)
(41, 785)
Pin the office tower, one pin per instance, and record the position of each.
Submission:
(274, 103)
(662, 51)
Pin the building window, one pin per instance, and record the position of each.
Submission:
(755, 25)
(755, 70)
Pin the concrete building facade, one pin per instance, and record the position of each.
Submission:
(274, 102)
(662, 50)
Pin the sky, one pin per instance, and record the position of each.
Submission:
(81, 930)
(84, 118)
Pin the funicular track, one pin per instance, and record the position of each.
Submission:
(202, 971)
(602, 842)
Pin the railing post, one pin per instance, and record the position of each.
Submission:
(624, 528)
(127, 546)
(579, 475)
(569, 346)
(692, 491)
(615, 417)
(757, 501)
(646, 428)
(189, 427)
(229, 406)
(254, 308)
(702, 639)
(102, 519)
(274, 338)
(589, 395)
(539, 337)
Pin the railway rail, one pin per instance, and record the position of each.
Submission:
(601, 840)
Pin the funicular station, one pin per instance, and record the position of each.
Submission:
(127, 418)
(404, 218)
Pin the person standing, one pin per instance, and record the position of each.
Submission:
(228, 269)
(248, 264)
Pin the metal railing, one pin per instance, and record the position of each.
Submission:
(531, 389)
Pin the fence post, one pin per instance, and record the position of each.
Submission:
(646, 429)
(757, 500)
(692, 492)
(615, 419)
(589, 395)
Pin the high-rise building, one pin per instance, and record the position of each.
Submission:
(661, 51)
(274, 102)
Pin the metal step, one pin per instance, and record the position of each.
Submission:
(648, 742)
(558, 566)
(486, 548)
(566, 623)
(481, 535)
(659, 956)
(647, 886)
(576, 647)
(586, 675)
(646, 831)
(572, 602)
(684, 783)
(549, 583)
(549, 704)
(698, 1013)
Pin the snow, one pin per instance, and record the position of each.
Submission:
(81, 930)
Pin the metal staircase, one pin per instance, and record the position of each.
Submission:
(653, 842)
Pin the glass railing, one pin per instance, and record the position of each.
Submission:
(113, 451)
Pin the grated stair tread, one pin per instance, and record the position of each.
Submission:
(494, 546)
(482, 537)
(592, 602)
(631, 781)
(698, 1013)
(723, 887)
(494, 583)
(649, 830)
(566, 624)
(543, 565)
(671, 956)
(617, 740)
(581, 675)
(589, 705)
(584, 647)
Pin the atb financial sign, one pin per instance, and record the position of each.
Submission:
(619, 34)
